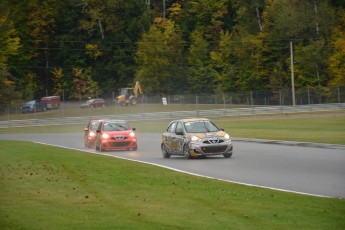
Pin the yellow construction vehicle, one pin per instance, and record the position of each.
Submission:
(129, 96)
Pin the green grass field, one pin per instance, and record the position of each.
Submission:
(328, 129)
(45, 187)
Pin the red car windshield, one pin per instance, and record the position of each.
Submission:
(94, 125)
(90, 101)
(116, 126)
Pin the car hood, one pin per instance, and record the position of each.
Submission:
(118, 133)
(208, 135)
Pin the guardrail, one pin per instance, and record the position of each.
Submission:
(178, 115)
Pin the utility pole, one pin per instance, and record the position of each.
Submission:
(316, 19)
(164, 10)
(292, 76)
(148, 5)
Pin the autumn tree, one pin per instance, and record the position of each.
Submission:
(61, 83)
(194, 46)
(9, 46)
(41, 24)
(311, 63)
(29, 85)
(253, 64)
(248, 18)
(235, 62)
(337, 59)
(159, 58)
(201, 75)
(205, 16)
(83, 84)
(111, 30)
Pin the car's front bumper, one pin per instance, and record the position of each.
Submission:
(27, 110)
(209, 149)
(118, 144)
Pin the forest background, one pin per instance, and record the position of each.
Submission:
(91, 48)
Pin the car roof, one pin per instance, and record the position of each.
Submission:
(96, 120)
(114, 120)
(193, 119)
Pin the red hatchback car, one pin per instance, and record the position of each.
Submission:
(90, 133)
(93, 103)
(114, 135)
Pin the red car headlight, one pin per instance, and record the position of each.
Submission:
(105, 136)
(92, 134)
(132, 134)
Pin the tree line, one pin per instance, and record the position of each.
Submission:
(88, 48)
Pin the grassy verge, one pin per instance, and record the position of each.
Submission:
(330, 129)
(44, 187)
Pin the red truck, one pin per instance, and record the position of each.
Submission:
(53, 102)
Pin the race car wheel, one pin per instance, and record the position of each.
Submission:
(135, 148)
(186, 152)
(165, 152)
(227, 155)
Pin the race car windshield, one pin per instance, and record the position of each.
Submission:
(116, 126)
(200, 127)
(94, 125)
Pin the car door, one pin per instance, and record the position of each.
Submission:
(169, 138)
(98, 134)
(97, 103)
(179, 138)
(86, 132)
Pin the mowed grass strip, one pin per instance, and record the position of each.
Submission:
(328, 129)
(45, 187)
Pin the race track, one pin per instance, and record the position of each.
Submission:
(312, 170)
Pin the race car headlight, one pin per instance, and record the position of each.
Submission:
(131, 134)
(194, 138)
(92, 134)
(227, 136)
(105, 136)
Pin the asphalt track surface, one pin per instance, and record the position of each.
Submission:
(308, 169)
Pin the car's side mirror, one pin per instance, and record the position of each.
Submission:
(86, 129)
(98, 131)
(134, 129)
(179, 133)
(222, 129)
